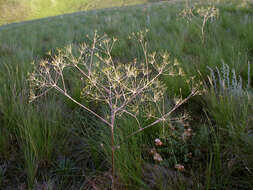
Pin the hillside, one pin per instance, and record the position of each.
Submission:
(150, 96)
(20, 10)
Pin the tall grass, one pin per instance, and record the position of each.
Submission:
(229, 105)
(208, 144)
(36, 128)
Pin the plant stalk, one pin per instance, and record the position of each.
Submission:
(113, 147)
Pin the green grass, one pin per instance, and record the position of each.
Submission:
(52, 143)
(29, 10)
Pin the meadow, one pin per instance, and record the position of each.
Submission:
(21, 10)
(186, 64)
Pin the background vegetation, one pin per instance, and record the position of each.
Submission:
(20, 10)
(207, 143)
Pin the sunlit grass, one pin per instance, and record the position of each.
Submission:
(207, 144)
(17, 11)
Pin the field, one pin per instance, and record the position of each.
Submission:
(186, 64)
(20, 10)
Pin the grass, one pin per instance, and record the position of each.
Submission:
(53, 144)
(25, 10)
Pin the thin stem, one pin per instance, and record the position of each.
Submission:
(72, 99)
(166, 115)
(113, 147)
(202, 30)
(134, 116)
(92, 52)
(62, 78)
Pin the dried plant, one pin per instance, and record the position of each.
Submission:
(210, 13)
(122, 87)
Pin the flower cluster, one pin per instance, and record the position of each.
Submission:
(156, 155)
